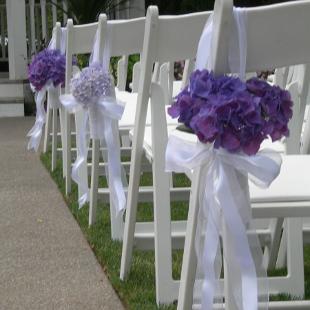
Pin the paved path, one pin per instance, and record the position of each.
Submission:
(45, 262)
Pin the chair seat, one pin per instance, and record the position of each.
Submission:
(289, 186)
(128, 119)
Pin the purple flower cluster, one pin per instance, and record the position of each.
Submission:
(92, 83)
(233, 114)
(47, 66)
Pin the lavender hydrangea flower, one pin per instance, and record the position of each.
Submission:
(92, 83)
(233, 114)
(47, 66)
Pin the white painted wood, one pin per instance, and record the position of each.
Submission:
(135, 77)
(3, 35)
(11, 110)
(54, 12)
(16, 11)
(67, 118)
(275, 16)
(119, 45)
(32, 26)
(65, 8)
(183, 33)
(43, 19)
(54, 137)
(13, 90)
(143, 97)
(189, 263)
(122, 67)
(47, 130)
(79, 41)
(83, 173)
(94, 182)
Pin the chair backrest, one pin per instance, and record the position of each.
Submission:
(168, 39)
(124, 38)
(80, 39)
(272, 42)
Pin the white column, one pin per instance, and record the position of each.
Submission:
(16, 17)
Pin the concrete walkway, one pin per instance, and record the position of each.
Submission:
(45, 262)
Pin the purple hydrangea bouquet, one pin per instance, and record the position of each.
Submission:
(46, 73)
(47, 67)
(233, 114)
(91, 84)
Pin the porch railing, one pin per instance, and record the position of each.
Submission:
(3, 34)
(41, 16)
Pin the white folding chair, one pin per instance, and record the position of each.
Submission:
(167, 39)
(116, 40)
(289, 196)
(115, 35)
(80, 39)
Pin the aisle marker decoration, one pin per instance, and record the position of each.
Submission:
(231, 118)
(46, 73)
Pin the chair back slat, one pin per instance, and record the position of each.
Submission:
(179, 36)
(80, 40)
(83, 38)
(126, 36)
(277, 35)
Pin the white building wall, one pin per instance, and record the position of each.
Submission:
(16, 19)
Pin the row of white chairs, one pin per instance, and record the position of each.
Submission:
(164, 40)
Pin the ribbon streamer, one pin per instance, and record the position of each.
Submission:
(225, 199)
(102, 117)
(35, 132)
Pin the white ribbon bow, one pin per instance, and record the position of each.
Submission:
(35, 132)
(224, 192)
(103, 116)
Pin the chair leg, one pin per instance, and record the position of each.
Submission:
(295, 257)
(189, 263)
(54, 138)
(117, 222)
(162, 234)
(83, 173)
(230, 303)
(282, 256)
(47, 128)
(62, 113)
(68, 152)
(271, 251)
(94, 182)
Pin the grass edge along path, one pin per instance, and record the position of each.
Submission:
(138, 291)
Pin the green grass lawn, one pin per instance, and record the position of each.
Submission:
(138, 292)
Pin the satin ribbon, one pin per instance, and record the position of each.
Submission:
(35, 132)
(102, 117)
(225, 195)
(237, 44)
